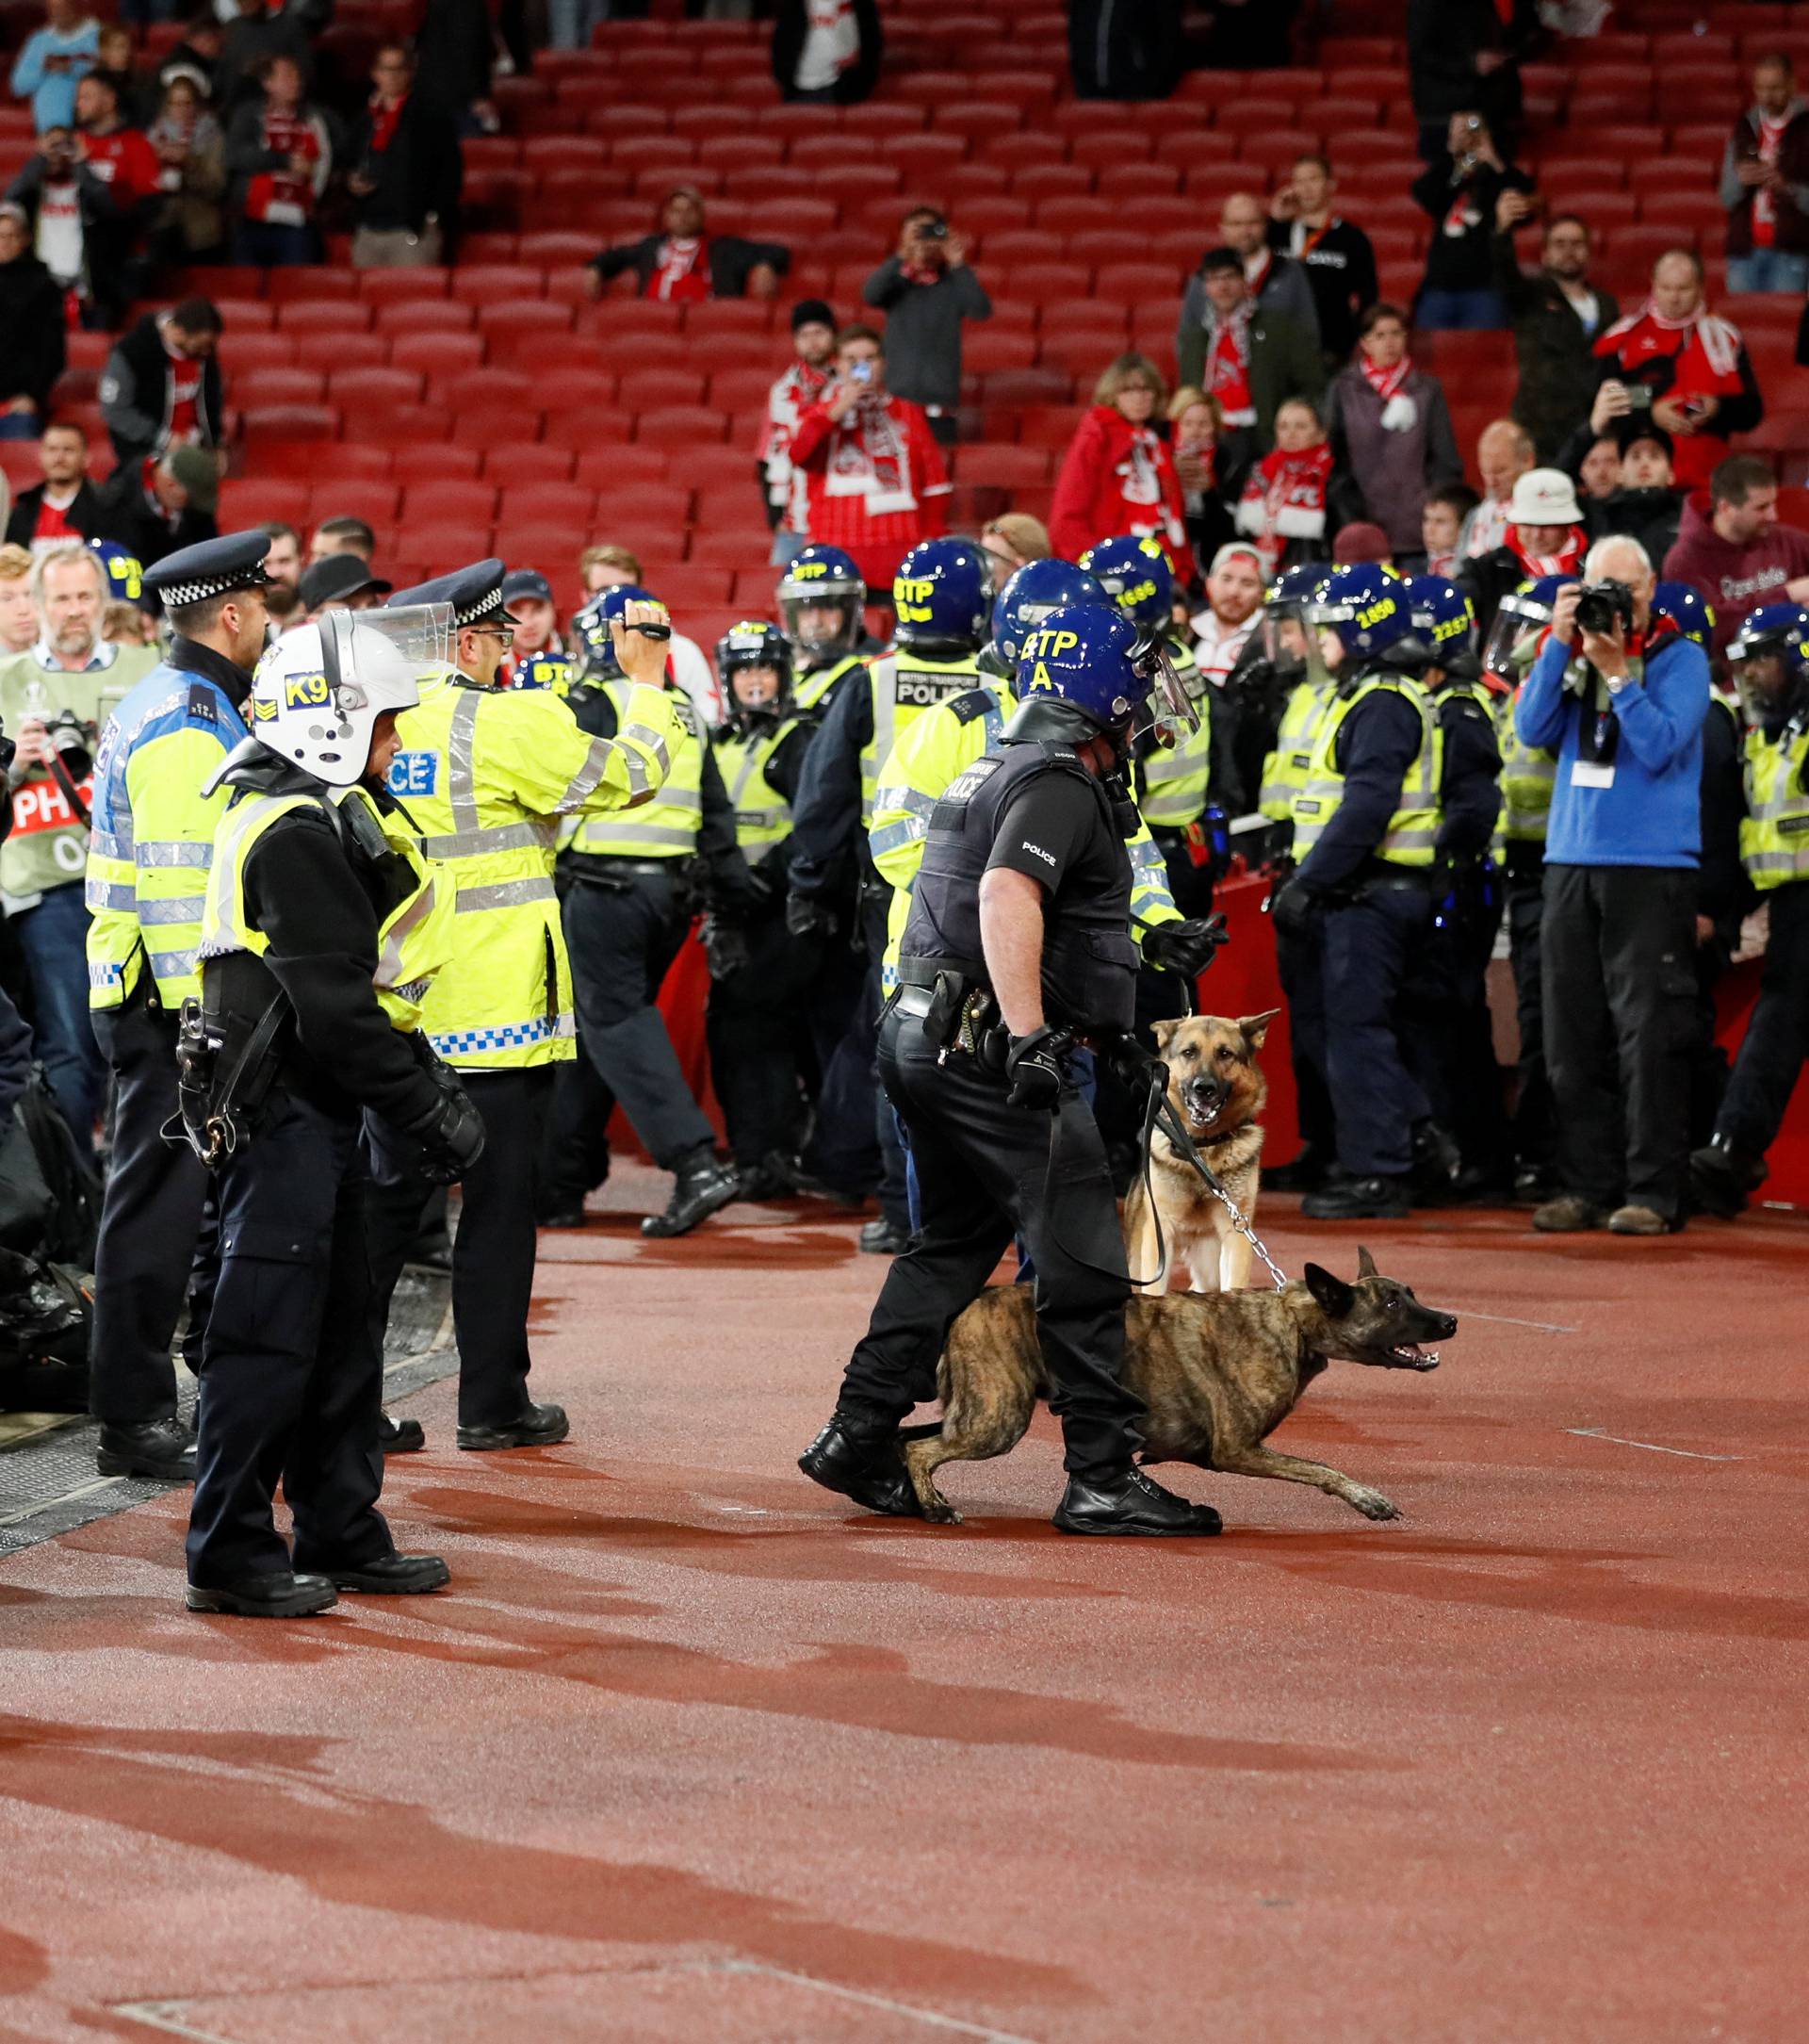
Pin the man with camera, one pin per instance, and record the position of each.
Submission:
(925, 291)
(1461, 189)
(1620, 697)
(54, 699)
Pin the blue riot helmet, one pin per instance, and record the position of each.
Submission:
(1519, 625)
(1444, 621)
(942, 596)
(1285, 633)
(125, 575)
(1769, 657)
(820, 597)
(591, 627)
(1137, 577)
(1690, 611)
(1364, 609)
(1088, 672)
(1034, 591)
(753, 665)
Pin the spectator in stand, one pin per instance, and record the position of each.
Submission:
(536, 656)
(1504, 454)
(279, 154)
(190, 224)
(1390, 434)
(340, 581)
(1442, 526)
(1283, 505)
(1623, 713)
(162, 388)
(32, 348)
(1557, 315)
(1195, 425)
(1765, 185)
(253, 38)
(72, 216)
(1011, 541)
(1739, 556)
(18, 612)
(407, 170)
(876, 476)
(173, 506)
(1276, 284)
(196, 57)
(1598, 474)
(1461, 188)
(1686, 364)
(283, 565)
(115, 57)
(827, 51)
(65, 505)
(683, 264)
(806, 378)
(1464, 55)
(52, 59)
(612, 567)
(342, 536)
(1545, 536)
(117, 154)
(1118, 475)
(1225, 627)
(1644, 504)
(926, 290)
(455, 52)
(1248, 359)
(1335, 255)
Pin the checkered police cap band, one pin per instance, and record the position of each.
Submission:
(178, 596)
(481, 608)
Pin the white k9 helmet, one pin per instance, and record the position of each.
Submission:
(318, 690)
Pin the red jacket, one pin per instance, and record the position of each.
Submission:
(1701, 357)
(1116, 478)
(876, 480)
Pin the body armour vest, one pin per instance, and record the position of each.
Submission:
(1089, 961)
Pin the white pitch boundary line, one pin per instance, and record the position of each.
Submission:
(1595, 1433)
(878, 2001)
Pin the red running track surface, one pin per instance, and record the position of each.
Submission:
(689, 1752)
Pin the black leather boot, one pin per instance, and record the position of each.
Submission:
(540, 1426)
(1358, 1198)
(882, 1237)
(1720, 1177)
(393, 1575)
(702, 1184)
(399, 1436)
(861, 1463)
(278, 1595)
(1131, 1504)
(163, 1449)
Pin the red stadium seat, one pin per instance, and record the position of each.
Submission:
(449, 539)
(345, 497)
(743, 389)
(267, 422)
(484, 425)
(526, 462)
(490, 283)
(642, 509)
(249, 352)
(726, 317)
(431, 465)
(359, 391)
(336, 351)
(477, 387)
(1134, 181)
(449, 498)
(289, 287)
(1052, 181)
(544, 503)
(323, 316)
(384, 286)
(1048, 425)
(1069, 216)
(1002, 466)
(249, 501)
(407, 425)
(989, 348)
(437, 354)
(616, 469)
(567, 388)
(1014, 152)
(292, 386)
(413, 316)
(679, 425)
(642, 390)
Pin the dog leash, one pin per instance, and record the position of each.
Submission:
(1171, 1126)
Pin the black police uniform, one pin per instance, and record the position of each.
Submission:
(626, 919)
(987, 1171)
(291, 1379)
(1724, 897)
(1374, 940)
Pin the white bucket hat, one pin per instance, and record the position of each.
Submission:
(1545, 497)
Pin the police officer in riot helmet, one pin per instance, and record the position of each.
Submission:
(1017, 951)
(821, 601)
(322, 927)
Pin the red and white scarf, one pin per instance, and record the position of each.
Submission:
(1644, 333)
(281, 197)
(1285, 500)
(681, 270)
(1228, 368)
(1765, 204)
(1567, 561)
(869, 458)
(384, 114)
(1386, 384)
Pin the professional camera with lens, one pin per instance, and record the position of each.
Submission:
(1602, 605)
(73, 742)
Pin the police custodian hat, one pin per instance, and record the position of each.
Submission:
(475, 594)
(217, 568)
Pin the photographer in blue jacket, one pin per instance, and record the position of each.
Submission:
(1620, 695)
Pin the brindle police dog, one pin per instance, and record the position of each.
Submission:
(1218, 1371)
(1217, 1089)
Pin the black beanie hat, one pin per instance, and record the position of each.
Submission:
(812, 312)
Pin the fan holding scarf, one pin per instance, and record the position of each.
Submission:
(1390, 433)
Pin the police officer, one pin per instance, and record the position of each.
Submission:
(322, 929)
(1365, 830)
(942, 596)
(1462, 1066)
(1017, 947)
(1302, 693)
(487, 773)
(1769, 658)
(628, 906)
(821, 603)
(151, 844)
(762, 977)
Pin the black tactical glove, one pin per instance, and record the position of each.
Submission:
(1129, 1060)
(1294, 907)
(1186, 948)
(806, 916)
(450, 1135)
(1278, 846)
(1036, 1070)
(725, 947)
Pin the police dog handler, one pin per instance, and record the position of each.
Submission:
(1017, 950)
(322, 930)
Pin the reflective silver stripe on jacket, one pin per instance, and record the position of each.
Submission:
(389, 956)
(596, 765)
(110, 894)
(174, 852)
(178, 908)
(173, 964)
(461, 769)
(658, 837)
(505, 894)
(492, 838)
(111, 845)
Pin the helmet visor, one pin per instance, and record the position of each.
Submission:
(1284, 635)
(1513, 639)
(821, 621)
(1167, 702)
(376, 660)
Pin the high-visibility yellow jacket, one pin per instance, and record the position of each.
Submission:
(665, 827)
(1175, 781)
(904, 685)
(1528, 776)
(762, 812)
(1284, 770)
(1774, 832)
(487, 773)
(414, 940)
(810, 690)
(938, 745)
(152, 832)
(1412, 837)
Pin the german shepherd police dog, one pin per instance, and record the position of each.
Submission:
(1218, 1371)
(1217, 1089)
